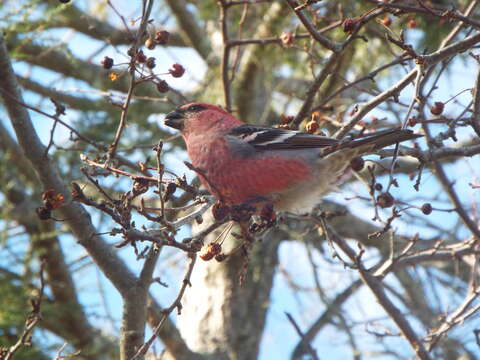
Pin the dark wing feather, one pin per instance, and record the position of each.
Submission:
(279, 139)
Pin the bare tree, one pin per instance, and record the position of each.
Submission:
(386, 267)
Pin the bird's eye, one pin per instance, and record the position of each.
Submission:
(195, 108)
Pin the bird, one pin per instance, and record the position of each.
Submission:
(241, 163)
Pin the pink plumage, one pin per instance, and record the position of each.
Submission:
(240, 163)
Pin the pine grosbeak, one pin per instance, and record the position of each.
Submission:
(240, 163)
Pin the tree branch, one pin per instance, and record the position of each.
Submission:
(75, 215)
(427, 62)
(192, 33)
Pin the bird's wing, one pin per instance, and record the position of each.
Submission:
(263, 138)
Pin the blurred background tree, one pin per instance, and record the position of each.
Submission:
(358, 277)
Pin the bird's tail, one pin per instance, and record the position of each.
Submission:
(373, 142)
(336, 160)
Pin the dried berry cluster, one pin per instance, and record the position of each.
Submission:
(51, 201)
(140, 58)
(285, 122)
(213, 250)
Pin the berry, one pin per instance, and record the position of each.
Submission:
(107, 62)
(131, 51)
(177, 70)
(169, 191)
(378, 187)
(437, 109)
(141, 58)
(150, 44)
(162, 86)
(385, 200)
(284, 119)
(162, 37)
(411, 24)
(213, 249)
(426, 208)
(140, 186)
(151, 62)
(387, 21)
(221, 257)
(52, 200)
(312, 126)
(357, 163)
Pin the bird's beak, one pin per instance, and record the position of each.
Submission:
(174, 119)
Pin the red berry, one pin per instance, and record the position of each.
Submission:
(357, 163)
(387, 21)
(437, 109)
(213, 249)
(312, 126)
(207, 256)
(284, 119)
(177, 70)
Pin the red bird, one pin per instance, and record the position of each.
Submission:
(240, 163)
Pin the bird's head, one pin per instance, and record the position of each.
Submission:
(200, 118)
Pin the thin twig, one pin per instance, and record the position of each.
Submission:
(305, 343)
(32, 320)
(445, 13)
(475, 122)
(378, 291)
(226, 55)
(146, 10)
(428, 62)
(175, 305)
(53, 117)
(323, 40)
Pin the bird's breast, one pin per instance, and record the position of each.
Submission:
(236, 179)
